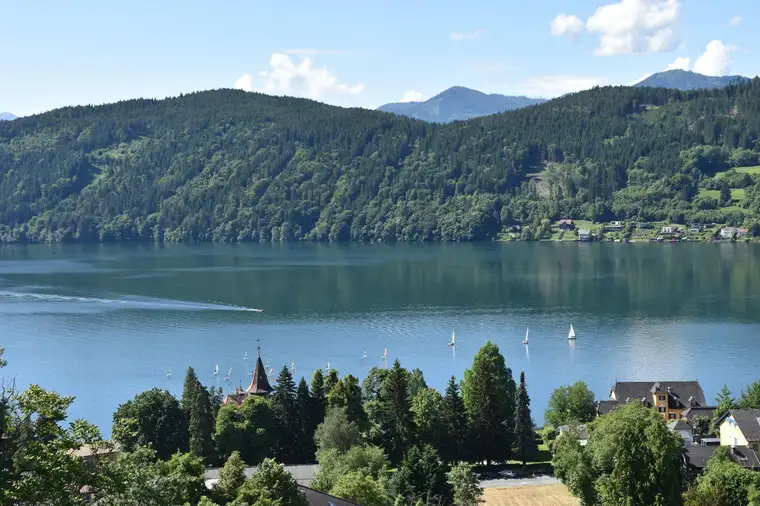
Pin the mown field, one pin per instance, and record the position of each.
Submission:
(531, 495)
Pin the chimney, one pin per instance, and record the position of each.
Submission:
(668, 389)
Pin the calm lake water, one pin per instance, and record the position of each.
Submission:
(105, 322)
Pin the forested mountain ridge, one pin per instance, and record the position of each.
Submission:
(688, 80)
(233, 166)
(459, 103)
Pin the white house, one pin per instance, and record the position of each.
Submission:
(683, 429)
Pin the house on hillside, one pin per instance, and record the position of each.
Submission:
(666, 230)
(566, 224)
(740, 427)
(697, 228)
(584, 235)
(614, 226)
(731, 232)
(669, 398)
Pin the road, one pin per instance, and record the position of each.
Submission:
(519, 482)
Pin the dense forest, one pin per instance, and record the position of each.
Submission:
(233, 166)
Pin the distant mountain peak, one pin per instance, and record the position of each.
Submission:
(459, 103)
(688, 80)
(6, 116)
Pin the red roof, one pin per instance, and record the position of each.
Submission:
(566, 221)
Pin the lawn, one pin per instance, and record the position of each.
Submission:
(749, 170)
(736, 193)
(755, 171)
(530, 495)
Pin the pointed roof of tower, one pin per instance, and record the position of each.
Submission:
(259, 383)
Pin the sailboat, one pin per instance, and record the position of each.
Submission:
(571, 334)
(245, 357)
(385, 353)
(453, 338)
(216, 370)
(327, 369)
(365, 354)
(229, 374)
(527, 331)
(169, 372)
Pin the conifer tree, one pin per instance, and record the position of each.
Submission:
(489, 395)
(348, 394)
(456, 424)
(199, 413)
(305, 434)
(284, 409)
(525, 439)
(396, 424)
(318, 397)
(723, 402)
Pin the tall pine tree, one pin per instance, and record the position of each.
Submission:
(525, 439)
(489, 395)
(348, 394)
(318, 405)
(199, 412)
(284, 409)
(396, 422)
(456, 424)
(305, 434)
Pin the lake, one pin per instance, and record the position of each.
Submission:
(105, 322)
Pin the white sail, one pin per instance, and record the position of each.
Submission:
(216, 370)
(229, 374)
(453, 337)
(527, 333)
(571, 334)
(385, 353)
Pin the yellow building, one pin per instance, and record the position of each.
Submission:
(741, 427)
(669, 398)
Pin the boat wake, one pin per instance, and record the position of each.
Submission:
(10, 297)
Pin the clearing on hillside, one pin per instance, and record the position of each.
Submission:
(530, 495)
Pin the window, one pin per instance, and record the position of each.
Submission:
(671, 416)
(661, 409)
(662, 397)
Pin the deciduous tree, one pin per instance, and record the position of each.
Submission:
(570, 404)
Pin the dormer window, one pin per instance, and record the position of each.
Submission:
(662, 397)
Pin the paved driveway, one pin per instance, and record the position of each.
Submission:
(519, 482)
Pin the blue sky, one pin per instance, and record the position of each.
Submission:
(358, 53)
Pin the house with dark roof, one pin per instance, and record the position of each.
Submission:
(740, 427)
(697, 457)
(692, 413)
(683, 429)
(259, 384)
(670, 398)
(317, 498)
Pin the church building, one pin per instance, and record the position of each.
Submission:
(259, 385)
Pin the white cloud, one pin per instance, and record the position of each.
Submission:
(715, 61)
(680, 63)
(412, 96)
(462, 35)
(244, 82)
(735, 21)
(554, 86)
(569, 26)
(285, 77)
(315, 52)
(635, 26)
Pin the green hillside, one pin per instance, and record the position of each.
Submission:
(233, 166)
